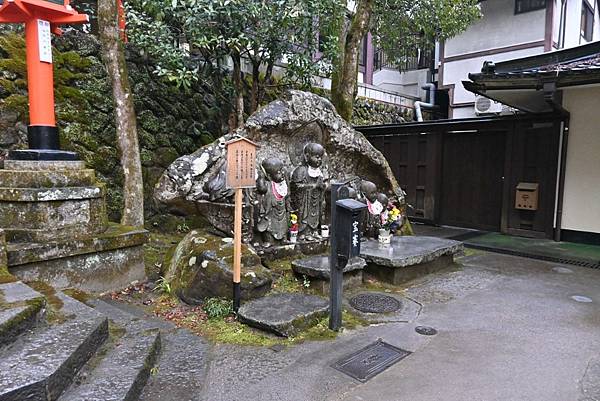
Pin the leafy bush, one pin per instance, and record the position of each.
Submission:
(217, 308)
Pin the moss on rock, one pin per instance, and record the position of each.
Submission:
(201, 266)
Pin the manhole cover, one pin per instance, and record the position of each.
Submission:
(375, 303)
(371, 360)
(581, 298)
(426, 331)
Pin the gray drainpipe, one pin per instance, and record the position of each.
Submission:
(554, 99)
(418, 104)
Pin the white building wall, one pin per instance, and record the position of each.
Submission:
(573, 23)
(457, 71)
(581, 208)
(408, 83)
(499, 27)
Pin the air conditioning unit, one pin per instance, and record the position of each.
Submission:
(483, 105)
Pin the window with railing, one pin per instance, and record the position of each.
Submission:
(413, 58)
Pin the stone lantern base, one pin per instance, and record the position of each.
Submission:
(54, 216)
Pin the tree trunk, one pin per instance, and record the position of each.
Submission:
(254, 93)
(344, 79)
(239, 90)
(127, 140)
(267, 81)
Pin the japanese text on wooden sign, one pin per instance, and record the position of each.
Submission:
(241, 164)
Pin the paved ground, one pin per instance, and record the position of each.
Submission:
(508, 330)
(541, 248)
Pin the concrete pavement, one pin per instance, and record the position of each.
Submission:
(508, 330)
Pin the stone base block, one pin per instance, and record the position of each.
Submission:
(316, 269)
(106, 262)
(398, 276)
(46, 179)
(46, 214)
(350, 280)
(49, 165)
(293, 250)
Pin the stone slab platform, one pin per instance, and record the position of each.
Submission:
(408, 257)
(284, 314)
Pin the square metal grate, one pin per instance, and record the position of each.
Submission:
(364, 364)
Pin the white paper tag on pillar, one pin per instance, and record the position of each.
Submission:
(44, 41)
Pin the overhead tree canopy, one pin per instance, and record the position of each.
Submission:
(396, 25)
(262, 32)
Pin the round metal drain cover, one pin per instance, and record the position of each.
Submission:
(581, 298)
(375, 303)
(426, 331)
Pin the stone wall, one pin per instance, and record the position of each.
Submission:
(171, 122)
(371, 112)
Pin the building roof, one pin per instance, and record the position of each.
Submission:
(526, 82)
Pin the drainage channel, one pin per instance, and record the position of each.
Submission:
(553, 259)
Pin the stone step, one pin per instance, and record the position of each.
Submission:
(40, 364)
(182, 368)
(183, 357)
(120, 374)
(126, 315)
(20, 309)
(284, 314)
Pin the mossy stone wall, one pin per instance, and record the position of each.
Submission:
(171, 122)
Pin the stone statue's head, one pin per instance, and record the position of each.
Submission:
(383, 199)
(369, 190)
(273, 167)
(313, 154)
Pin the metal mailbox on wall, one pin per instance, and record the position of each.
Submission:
(527, 196)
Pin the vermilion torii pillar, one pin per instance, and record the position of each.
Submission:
(41, 18)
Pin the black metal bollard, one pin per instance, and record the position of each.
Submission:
(345, 244)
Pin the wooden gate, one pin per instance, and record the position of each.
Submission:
(465, 172)
(472, 179)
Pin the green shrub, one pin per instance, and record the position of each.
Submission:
(217, 308)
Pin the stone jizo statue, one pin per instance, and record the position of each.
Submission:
(308, 186)
(375, 208)
(273, 202)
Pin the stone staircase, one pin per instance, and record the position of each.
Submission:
(54, 347)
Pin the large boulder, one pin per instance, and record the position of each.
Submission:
(195, 183)
(202, 267)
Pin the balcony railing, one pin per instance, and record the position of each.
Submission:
(415, 58)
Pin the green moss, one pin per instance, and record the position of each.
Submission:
(236, 333)
(5, 276)
(33, 307)
(54, 303)
(78, 294)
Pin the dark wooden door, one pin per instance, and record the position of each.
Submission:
(533, 158)
(472, 179)
(414, 159)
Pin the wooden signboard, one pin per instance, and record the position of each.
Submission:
(241, 163)
(241, 173)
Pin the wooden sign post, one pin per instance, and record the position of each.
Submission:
(241, 173)
(41, 18)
